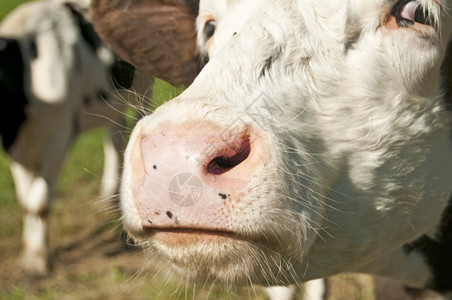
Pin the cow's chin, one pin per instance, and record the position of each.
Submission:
(221, 257)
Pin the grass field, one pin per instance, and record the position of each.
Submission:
(90, 260)
(8, 5)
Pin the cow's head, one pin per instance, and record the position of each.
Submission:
(316, 139)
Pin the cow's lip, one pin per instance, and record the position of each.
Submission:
(180, 236)
(188, 230)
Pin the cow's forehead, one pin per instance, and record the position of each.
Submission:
(277, 43)
(290, 22)
(331, 21)
(226, 10)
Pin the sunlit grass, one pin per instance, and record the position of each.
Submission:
(7, 5)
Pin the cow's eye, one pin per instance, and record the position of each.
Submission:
(209, 28)
(407, 13)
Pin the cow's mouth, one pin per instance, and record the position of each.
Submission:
(180, 236)
(213, 256)
(187, 230)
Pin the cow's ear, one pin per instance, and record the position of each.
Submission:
(157, 36)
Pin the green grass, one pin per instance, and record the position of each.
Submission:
(8, 5)
(163, 91)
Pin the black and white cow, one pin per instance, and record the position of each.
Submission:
(57, 80)
(316, 141)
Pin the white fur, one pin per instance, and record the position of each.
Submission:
(228, 18)
(358, 140)
(56, 90)
(284, 292)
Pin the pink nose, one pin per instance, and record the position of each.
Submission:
(191, 176)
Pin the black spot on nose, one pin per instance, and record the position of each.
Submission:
(169, 214)
(223, 196)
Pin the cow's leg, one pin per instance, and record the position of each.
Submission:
(115, 141)
(315, 289)
(33, 193)
(113, 150)
(290, 292)
(35, 180)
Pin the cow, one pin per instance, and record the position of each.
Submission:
(58, 80)
(316, 141)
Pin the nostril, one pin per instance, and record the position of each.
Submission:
(230, 158)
